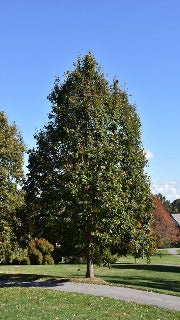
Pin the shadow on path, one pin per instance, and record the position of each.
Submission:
(30, 280)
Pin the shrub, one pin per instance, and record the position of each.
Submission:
(39, 250)
(44, 246)
(25, 261)
(35, 256)
(18, 255)
(48, 259)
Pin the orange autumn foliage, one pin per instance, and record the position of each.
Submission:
(164, 229)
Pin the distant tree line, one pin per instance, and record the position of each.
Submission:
(173, 206)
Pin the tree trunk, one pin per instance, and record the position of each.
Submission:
(90, 269)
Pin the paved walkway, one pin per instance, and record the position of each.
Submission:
(174, 252)
(120, 293)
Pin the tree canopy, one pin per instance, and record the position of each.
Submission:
(175, 205)
(86, 174)
(11, 180)
(11, 171)
(163, 226)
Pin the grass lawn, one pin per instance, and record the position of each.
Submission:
(158, 278)
(33, 304)
(161, 257)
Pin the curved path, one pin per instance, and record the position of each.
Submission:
(174, 252)
(121, 293)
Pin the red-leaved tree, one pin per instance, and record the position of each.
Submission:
(164, 229)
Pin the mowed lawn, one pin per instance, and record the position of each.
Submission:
(153, 277)
(41, 304)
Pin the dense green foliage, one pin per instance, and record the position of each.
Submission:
(86, 176)
(176, 205)
(11, 172)
(11, 195)
(10, 251)
(39, 251)
(8, 244)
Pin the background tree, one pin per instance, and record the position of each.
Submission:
(11, 171)
(175, 205)
(163, 226)
(11, 180)
(166, 203)
(86, 176)
(7, 243)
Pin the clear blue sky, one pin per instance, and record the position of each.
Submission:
(135, 40)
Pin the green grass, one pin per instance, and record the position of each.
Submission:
(23, 303)
(178, 251)
(158, 278)
(154, 277)
(33, 304)
(161, 257)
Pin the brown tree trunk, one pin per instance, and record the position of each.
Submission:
(90, 269)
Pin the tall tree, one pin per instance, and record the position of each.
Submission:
(87, 172)
(11, 171)
(11, 180)
(164, 229)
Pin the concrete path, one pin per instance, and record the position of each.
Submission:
(174, 252)
(120, 293)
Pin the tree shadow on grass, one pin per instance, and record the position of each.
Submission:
(22, 276)
(151, 281)
(146, 282)
(150, 267)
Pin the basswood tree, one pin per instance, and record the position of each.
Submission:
(87, 173)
